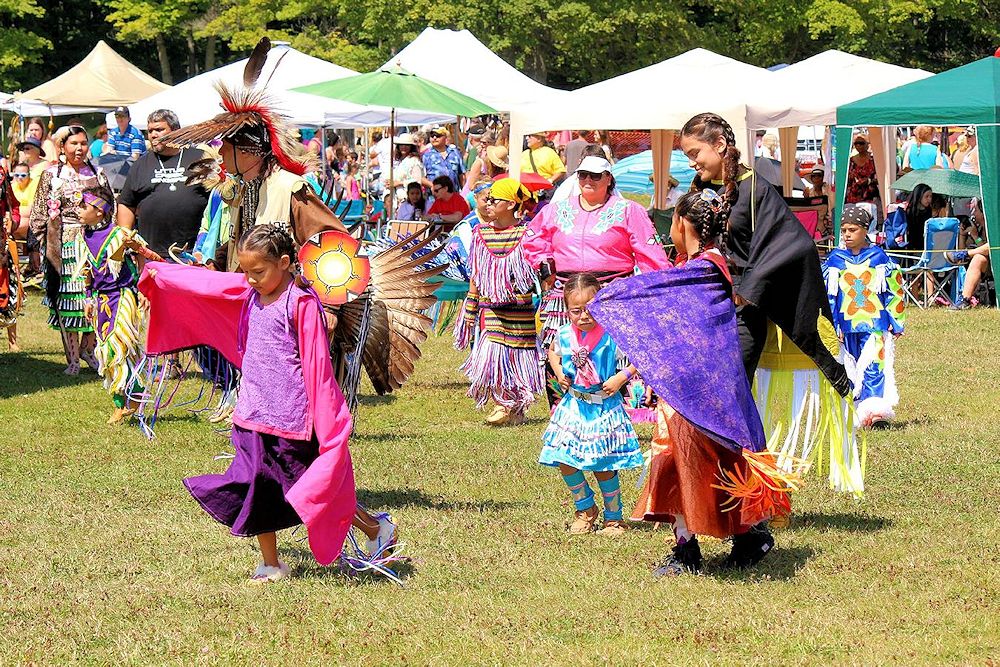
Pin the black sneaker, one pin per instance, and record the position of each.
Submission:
(684, 558)
(750, 547)
(963, 304)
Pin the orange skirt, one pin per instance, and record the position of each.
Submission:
(683, 479)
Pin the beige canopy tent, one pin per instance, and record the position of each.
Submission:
(103, 80)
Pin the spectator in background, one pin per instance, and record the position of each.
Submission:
(407, 167)
(978, 261)
(413, 207)
(604, 141)
(449, 206)
(969, 163)
(420, 141)
(378, 160)
(769, 147)
(36, 129)
(919, 210)
(31, 153)
(97, 145)
(124, 138)
(155, 199)
(540, 158)
(574, 149)
(478, 167)
(497, 161)
(817, 185)
(862, 182)
(922, 154)
(24, 189)
(475, 136)
(443, 159)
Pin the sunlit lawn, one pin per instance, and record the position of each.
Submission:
(107, 560)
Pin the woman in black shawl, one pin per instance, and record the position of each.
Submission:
(775, 266)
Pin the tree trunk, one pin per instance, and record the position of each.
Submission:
(210, 53)
(161, 51)
(192, 64)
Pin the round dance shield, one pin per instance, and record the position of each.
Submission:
(332, 261)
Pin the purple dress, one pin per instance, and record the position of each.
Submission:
(272, 430)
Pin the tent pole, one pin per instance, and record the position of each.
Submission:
(392, 142)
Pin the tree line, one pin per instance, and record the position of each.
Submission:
(563, 43)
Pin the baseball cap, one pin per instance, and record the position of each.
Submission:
(970, 131)
(595, 165)
(31, 141)
(122, 111)
(816, 170)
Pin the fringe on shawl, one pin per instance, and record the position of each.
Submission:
(818, 425)
(118, 352)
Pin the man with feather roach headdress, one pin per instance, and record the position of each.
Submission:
(261, 179)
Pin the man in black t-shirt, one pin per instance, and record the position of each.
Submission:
(155, 199)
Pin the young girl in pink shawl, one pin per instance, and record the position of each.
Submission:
(291, 424)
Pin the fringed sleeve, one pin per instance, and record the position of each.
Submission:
(465, 326)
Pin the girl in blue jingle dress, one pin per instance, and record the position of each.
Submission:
(589, 429)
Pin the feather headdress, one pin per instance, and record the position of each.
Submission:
(250, 121)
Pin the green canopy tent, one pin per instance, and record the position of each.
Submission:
(966, 95)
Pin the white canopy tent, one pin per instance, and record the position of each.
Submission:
(456, 59)
(26, 107)
(196, 99)
(809, 92)
(661, 97)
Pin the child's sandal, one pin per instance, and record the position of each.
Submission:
(612, 529)
(584, 522)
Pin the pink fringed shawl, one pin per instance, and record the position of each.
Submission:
(192, 306)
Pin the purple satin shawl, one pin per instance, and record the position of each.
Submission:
(678, 327)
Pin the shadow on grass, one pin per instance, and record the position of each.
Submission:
(21, 374)
(400, 498)
(782, 564)
(375, 399)
(902, 425)
(848, 523)
(305, 567)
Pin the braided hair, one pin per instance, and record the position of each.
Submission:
(579, 282)
(709, 127)
(272, 241)
(708, 213)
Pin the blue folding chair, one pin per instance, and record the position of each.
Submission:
(932, 275)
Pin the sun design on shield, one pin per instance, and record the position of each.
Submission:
(332, 262)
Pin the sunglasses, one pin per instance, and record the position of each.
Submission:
(19, 176)
(861, 144)
(589, 175)
(493, 201)
(438, 134)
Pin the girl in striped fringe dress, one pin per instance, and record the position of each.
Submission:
(499, 312)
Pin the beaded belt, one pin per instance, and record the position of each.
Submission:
(587, 397)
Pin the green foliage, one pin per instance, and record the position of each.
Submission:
(565, 43)
(19, 45)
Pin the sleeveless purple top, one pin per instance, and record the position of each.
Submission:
(272, 396)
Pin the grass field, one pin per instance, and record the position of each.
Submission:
(107, 560)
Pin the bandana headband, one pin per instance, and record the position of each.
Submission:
(479, 188)
(97, 202)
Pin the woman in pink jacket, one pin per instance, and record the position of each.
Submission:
(598, 232)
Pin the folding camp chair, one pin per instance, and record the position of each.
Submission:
(812, 212)
(932, 276)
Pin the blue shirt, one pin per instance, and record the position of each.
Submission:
(450, 164)
(128, 142)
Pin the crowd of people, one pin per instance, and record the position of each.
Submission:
(571, 294)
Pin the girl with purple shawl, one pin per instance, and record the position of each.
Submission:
(710, 472)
